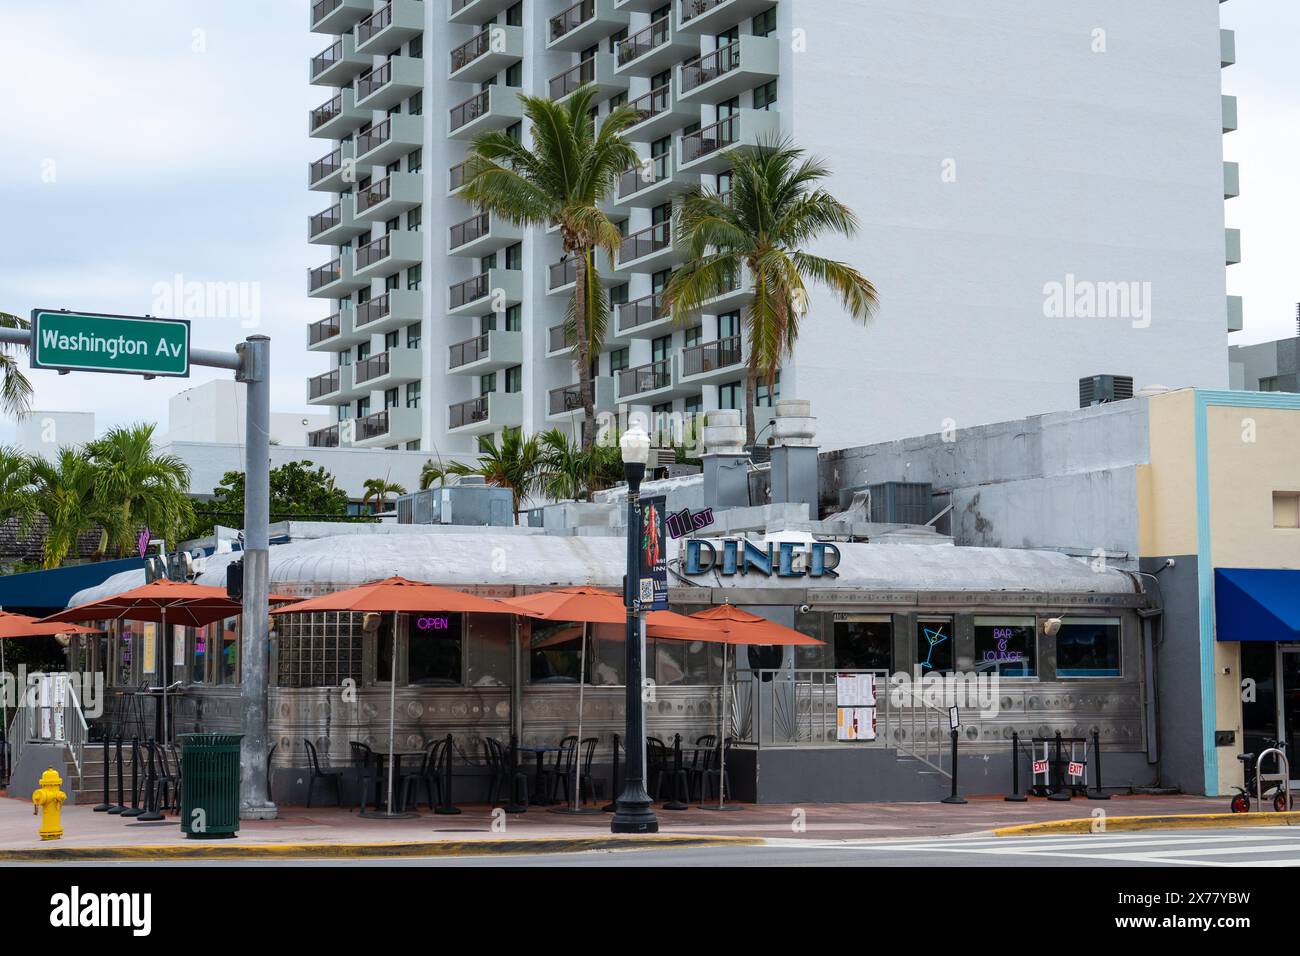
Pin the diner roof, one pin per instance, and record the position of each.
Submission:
(489, 558)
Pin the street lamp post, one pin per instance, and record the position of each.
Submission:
(633, 813)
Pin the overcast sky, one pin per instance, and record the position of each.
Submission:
(150, 138)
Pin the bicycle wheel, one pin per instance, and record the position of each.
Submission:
(1241, 803)
(1280, 802)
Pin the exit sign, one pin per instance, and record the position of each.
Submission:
(98, 342)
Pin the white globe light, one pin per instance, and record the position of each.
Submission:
(635, 446)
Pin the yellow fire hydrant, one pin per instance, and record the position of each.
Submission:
(49, 798)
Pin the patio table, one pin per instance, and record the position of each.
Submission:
(540, 751)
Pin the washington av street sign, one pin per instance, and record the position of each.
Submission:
(97, 342)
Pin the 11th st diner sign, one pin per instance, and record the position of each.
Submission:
(101, 342)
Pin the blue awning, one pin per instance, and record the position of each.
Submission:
(44, 592)
(1256, 604)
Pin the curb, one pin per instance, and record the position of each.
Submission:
(223, 850)
(1185, 821)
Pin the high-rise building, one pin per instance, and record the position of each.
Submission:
(1038, 184)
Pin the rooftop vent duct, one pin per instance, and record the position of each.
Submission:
(1103, 389)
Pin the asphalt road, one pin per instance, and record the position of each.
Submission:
(1250, 847)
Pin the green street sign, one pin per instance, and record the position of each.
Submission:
(97, 342)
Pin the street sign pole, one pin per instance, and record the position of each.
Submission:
(251, 363)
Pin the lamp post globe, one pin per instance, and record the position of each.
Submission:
(633, 813)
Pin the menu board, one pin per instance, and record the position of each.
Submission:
(855, 690)
(855, 723)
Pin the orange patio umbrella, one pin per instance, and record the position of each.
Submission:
(20, 626)
(735, 626)
(397, 595)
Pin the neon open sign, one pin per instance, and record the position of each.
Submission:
(433, 623)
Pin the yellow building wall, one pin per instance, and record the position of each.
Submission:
(1167, 486)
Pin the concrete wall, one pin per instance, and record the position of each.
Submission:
(978, 145)
(215, 412)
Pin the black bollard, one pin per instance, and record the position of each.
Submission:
(613, 782)
(121, 800)
(1016, 796)
(954, 797)
(445, 807)
(135, 809)
(1057, 774)
(514, 806)
(1096, 792)
(152, 810)
(679, 779)
(106, 805)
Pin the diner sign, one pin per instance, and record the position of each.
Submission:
(783, 559)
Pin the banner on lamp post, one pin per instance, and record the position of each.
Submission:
(653, 589)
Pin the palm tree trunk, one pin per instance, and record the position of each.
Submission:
(751, 399)
(582, 347)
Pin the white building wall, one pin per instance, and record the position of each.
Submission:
(44, 433)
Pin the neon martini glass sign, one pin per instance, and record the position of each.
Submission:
(935, 637)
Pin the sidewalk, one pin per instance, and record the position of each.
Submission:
(316, 830)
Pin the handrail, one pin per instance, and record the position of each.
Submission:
(643, 41)
(569, 19)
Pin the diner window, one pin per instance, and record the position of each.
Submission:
(1007, 646)
(864, 642)
(684, 663)
(1089, 647)
(554, 652)
(317, 650)
(934, 651)
(435, 645)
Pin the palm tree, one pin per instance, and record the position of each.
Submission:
(431, 474)
(139, 487)
(66, 491)
(516, 464)
(16, 498)
(15, 390)
(570, 169)
(568, 472)
(379, 489)
(776, 207)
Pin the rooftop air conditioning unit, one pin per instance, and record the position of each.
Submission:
(1103, 389)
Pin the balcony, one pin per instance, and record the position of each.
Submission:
(730, 70)
(711, 362)
(661, 113)
(1235, 315)
(392, 426)
(646, 383)
(327, 437)
(642, 318)
(1232, 243)
(736, 295)
(714, 16)
(481, 235)
(395, 309)
(491, 291)
(334, 171)
(334, 332)
(486, 414)
(389, 84)
(393, 138)
(390, 26)
(558, 341)
(333, 280)
(334, 225)
(338, 63)
(584, 24)
(489, 352)
(652, 183)
(486, 54)
(332, 388)
(477, 12)
(709, 150)
(395, 366)
(638, 6)
(1229, 104)
(337, 116)
(395, 193)
(564, 404)
(597, 71)
(1231, 180)
(395, 250)
(1227, 48)
(494, 108)
(654, 49)
(563, 275)
(336, 16)
(650, 250)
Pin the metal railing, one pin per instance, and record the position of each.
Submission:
(327, 219)
(658, 100)
(322, 167)
(562, 84)
(656, 170)
(468, 413)
(326, 111)
(326, 328)
(640, 244)
(49, 714)
(373, 24)
(326, 58)
(327, 437)
(323, 275)
(370, 368)
(471, 350)
(643, 41)
(640, 312)
(566, 398)
(710, 66)
(645, 378)
(323, 7)
(562, 273)
(558, 338)
(471, 290)
(694, 8)
(375, 80)
(471, 109)
(374, 251)
(465, 54)
(372, 310)
(323, 384)
(456, 176)
(372, 426)
(475, 227)
(570, 19)
(373, 194)
(711, 356)
(710, 139)
(373, 137)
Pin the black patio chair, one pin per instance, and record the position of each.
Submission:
(560, 772)
(709, 777)
(659, 765)
(695, 772)
(429, 773)
(586, 754)
(166, 785)
(363, 758)
(315, 774)
(504, 774)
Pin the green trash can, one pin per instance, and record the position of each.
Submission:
(210, 785)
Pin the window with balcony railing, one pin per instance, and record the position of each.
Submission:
(569, 20)
(470, 110)
(327, 58)
(558, 338)
(375, 80)
(709, 66)
(324, 275)
(456, 176)
(375, 136)
(645, 378)
(657, 101)
(710, 356)
(470, 51)
(326, 328)
(322, 8)
(373, 310)
(324, 166)
(643, 41)
(323, 384)
(655, 239)
(471, 290)
(373, 252)
(381, 19)
(693, 8)
(640, 312)
(565, 83)
(476, 227)
(326, 111)
(468, 413)
(710, 139)
(652, 171)
(373, 194)
(325, 220)
(567, 398)
(372, 426)
(562, 273)
(471, 350)
(371, 368)
(324, 437)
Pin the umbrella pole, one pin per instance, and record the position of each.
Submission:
(392, 716)
(722, 744)
(577, 750)
(164, 649)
